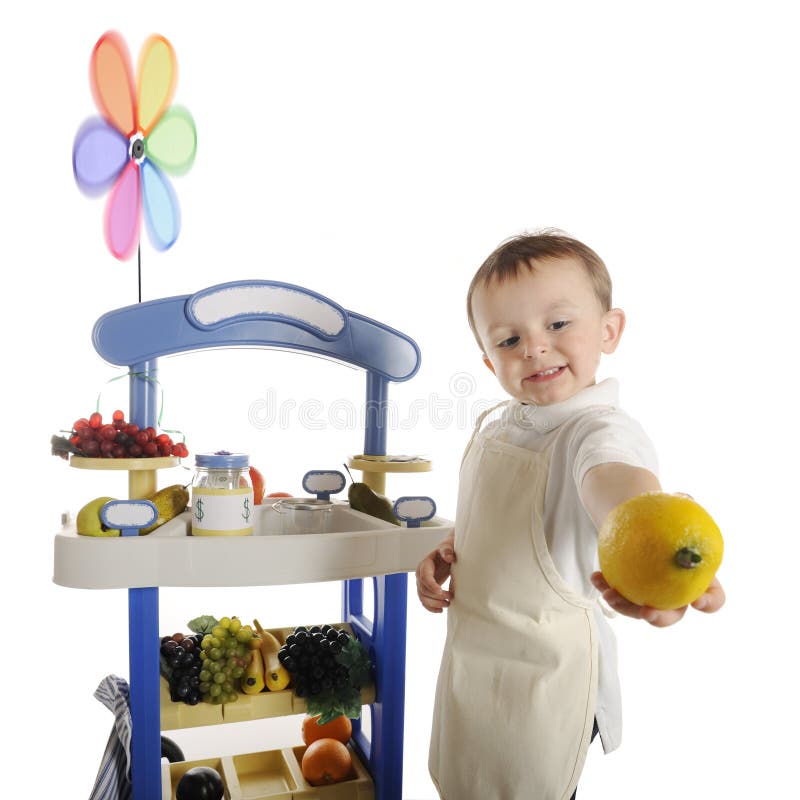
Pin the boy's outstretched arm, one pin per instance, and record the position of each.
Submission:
(605, 487)
(432, 572)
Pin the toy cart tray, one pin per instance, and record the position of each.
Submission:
(270, 775)
(357, 546)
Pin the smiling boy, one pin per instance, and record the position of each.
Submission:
(528, 673)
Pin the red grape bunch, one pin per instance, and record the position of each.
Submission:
(117, 439)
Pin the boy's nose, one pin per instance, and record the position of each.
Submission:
(534, 348)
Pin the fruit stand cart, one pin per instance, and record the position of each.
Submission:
(274, 315)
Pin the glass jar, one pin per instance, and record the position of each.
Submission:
(222, 496)
(304, 514)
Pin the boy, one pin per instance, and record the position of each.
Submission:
(528, 673)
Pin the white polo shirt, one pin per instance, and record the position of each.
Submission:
(585, 430)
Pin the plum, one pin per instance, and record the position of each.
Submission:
(200, 783)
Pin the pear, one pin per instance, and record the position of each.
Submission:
(169, 502)
(362, 498)
(253, 678)
(276, 676)
(89, 523)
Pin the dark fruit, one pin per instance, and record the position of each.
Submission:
(171, 751)
(181, 665)
(200, 783)
(310, 655)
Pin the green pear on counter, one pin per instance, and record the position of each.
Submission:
(169, 502)
(362, 498)
(89, 523)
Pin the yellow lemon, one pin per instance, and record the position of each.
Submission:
(660, 550)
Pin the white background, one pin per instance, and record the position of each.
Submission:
(376, 153)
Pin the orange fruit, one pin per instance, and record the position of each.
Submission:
(659, 550)
(340, 729)
(326, 761)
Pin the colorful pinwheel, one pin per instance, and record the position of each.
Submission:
(137, 139)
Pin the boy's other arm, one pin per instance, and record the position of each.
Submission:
(432, 573)
(605, 487)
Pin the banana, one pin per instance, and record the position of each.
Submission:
(276, 675)
(253, 679)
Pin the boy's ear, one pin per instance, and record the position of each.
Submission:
(613, 325)
(488, 364)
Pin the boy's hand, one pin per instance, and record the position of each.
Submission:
(432, 572)
(711, 601)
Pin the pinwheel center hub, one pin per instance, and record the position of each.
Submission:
(136, 147)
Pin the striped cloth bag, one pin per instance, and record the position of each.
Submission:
(113, 780)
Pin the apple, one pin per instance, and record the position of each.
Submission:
(257, 479)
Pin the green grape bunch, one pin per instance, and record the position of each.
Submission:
(224, 654)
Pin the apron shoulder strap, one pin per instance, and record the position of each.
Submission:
(479, 422)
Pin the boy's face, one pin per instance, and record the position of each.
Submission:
(543, 331)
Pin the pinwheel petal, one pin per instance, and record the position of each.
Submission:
(98, 156)
(161, 211)
(123, 212)
(111, 78)
(156, 77)
(172, 144)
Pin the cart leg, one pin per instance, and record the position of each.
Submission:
(385, 637)
(143, 641)
(143, 646)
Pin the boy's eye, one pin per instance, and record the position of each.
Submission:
(510, 342)
(559, 325)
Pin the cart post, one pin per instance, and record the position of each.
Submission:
(143, 642)
(384, 635)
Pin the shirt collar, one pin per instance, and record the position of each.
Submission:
(544, 419)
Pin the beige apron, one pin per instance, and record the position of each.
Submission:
(517, 685)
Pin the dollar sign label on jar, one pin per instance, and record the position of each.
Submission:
(222, 495)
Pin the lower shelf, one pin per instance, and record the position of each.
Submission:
(270, 775)
(247, 706)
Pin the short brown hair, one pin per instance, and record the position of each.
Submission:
(546, 245)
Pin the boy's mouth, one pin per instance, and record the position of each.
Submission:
(546, 374)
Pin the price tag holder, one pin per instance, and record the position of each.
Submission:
(128, 515)
(323, 483)
(414, 510)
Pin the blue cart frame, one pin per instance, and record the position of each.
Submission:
(270, 314)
